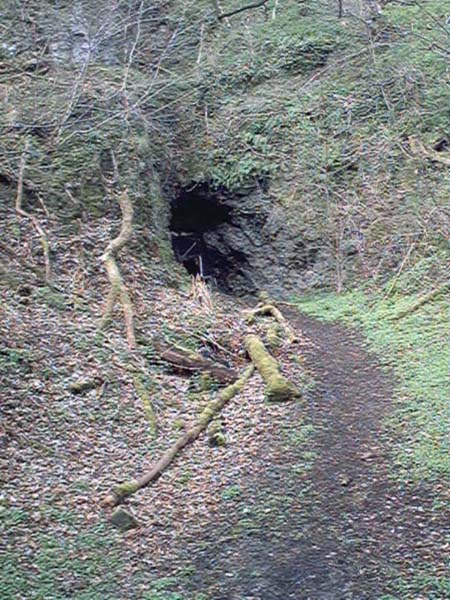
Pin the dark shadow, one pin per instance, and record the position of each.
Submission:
(196, 211)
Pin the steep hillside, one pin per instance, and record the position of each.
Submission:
(344, 124)
(326, 137)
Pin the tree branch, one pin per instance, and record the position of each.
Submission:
(118, 287)
(121, 492)
(239, 10)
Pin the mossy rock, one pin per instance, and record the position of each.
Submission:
(123, 520)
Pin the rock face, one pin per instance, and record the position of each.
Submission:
(263, 249)
(243, 241)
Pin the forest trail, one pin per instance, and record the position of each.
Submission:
(344, 528)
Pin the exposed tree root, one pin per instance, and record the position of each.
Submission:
(185, 359)
(23, 213)
(121, 492)
(434, 293)
(270, 309)
(118, 288)
(278, 387)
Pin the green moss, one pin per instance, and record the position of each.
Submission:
(178, 424)
(278, 388)
(83, 562)
(206, 382)
(232, 492)
(125, 489)
(216, 434)
(50, 297)
(424, 583)
(274, 336)
(344, 134)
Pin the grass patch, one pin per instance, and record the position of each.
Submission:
(59, 566)
(232, 492)
(433, 586)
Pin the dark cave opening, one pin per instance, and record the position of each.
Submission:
(196, 212)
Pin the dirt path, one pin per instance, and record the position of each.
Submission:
(342, 529)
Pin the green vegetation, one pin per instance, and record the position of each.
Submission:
(332, 130)
(233, 492)
(436, 587)
(57, 566)
(321, 110)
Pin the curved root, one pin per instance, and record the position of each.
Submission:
(118, 288)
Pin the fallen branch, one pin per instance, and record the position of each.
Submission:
(212, 342)
(84, 385)
(434, 293)
(118, 288)
(123, 491)
(185, 359)
(278, 387)
(242, 9)
(269, 309)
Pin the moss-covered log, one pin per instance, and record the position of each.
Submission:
(121, 492)
(273, 311)
(216, 433)
(279, 388)
(185, 359)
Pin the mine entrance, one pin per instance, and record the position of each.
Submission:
(198, 211)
